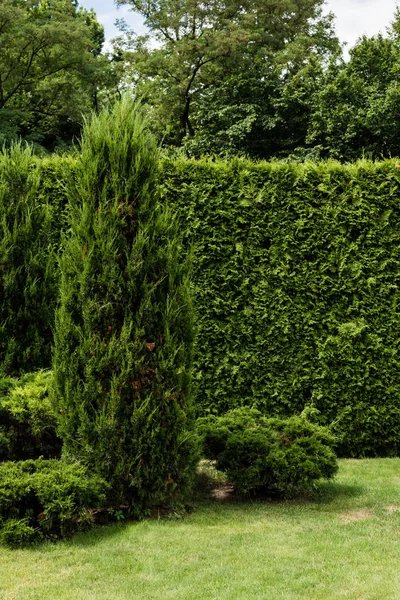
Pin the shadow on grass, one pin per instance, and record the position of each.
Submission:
(332, 491)
(99, 534)
(213, 486)
(325, 493)
(109, 531)
(222, 496)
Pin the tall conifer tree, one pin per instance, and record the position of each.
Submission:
(123, 335)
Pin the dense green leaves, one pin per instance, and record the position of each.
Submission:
(28, 421)
(356, 110)
(50, 69)
(42, 499)
(30, 221)
(217, 68)
(295, 282)
(280, 457)
(296, 286)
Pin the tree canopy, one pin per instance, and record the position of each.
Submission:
(228, 58)
(356, 110)
(261, 78)
(50, 69)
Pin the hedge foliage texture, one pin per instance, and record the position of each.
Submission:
(46, 499)
(32, 216)
(28, 422)
(297, 273)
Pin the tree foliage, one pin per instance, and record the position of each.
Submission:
(261, 113)
(50, 69)
(196, 53)
(356, 111)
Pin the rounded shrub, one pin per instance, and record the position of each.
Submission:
(281, 457)
(124, 335)
(42, 499)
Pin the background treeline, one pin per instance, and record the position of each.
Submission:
(256, 78)
(295, 283)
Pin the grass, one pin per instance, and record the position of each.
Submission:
(343, 543)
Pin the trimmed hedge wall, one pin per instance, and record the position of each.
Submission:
(32, 215)
(297, 271)
(296, 275)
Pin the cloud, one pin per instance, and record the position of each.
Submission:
(355, 18)
(107, 13)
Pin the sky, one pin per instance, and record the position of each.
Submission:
(353, 17)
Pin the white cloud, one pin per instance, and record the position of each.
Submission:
(355, 18)
(107, 13)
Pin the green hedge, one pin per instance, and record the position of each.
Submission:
(32, 215)
(297, 269)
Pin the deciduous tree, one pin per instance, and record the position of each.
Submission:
(50, 68)
(206, 53)
(356, 111)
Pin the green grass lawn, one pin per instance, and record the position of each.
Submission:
(344, 543)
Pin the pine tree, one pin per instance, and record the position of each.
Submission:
(123, 339)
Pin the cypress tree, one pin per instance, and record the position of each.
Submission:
(124, 336)
(28, 265)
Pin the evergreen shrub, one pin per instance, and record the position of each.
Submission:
(55, 171)
(297, 287)
(46, 499)
(28, 422)
(124, 335)
(280, 457)
(29, 240)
